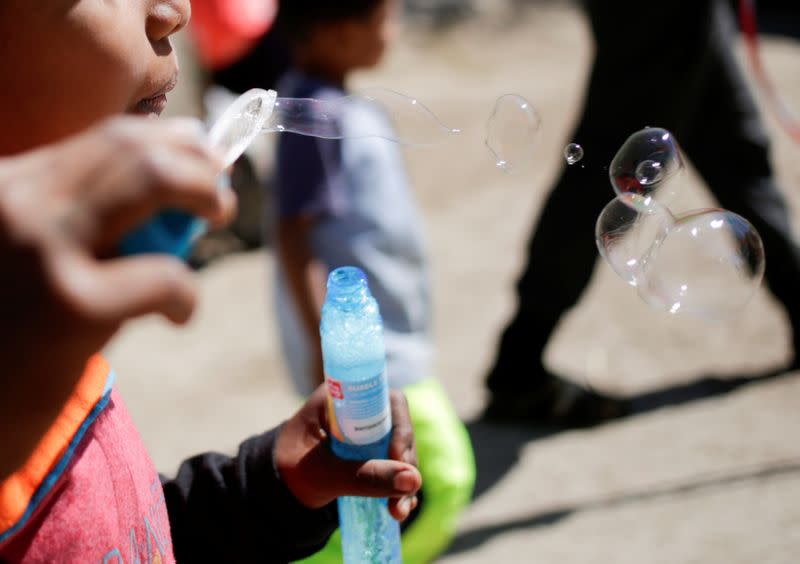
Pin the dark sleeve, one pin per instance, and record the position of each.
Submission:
(309, 176)
(224, 509)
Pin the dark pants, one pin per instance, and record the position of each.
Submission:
(665, 64)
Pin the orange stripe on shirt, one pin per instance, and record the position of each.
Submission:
(17, 490)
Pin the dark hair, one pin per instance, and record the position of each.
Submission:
(298, 18)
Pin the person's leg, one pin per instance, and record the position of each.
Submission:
(727, 143)
(561, 259)
(638, 78)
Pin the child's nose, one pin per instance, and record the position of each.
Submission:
(167, 17)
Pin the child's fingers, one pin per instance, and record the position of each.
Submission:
(402, 446)
(128, 171)
(189, 182)
(374, 478)
(188, 134)
(158, 180)
(316, 476)
(401, 508)
(111, 292)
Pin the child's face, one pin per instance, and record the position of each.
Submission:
(65, 64)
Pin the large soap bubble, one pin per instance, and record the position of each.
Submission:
(709, 265)
(626, 232)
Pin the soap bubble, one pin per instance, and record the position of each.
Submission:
(627, 230)
(573, 153)
(410, 122)
(649, 172)
(511, 132)
(709, 265)
(649, 164)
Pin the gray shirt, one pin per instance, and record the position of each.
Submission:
(359, 193)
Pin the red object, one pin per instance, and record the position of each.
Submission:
(226, 30)
(786, 117)
(335, 389)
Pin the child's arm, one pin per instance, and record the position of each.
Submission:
(306, 280)
(309, 190)
(273, 502)
(62, 208)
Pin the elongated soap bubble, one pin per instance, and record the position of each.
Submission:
(409, 122)
(412, 123)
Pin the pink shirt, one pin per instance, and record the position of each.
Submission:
(100, 500)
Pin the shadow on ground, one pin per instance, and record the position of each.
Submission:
(469, 540)
(497, 449)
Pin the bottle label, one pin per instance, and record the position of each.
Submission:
(360, 412)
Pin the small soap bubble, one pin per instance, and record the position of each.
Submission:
(709, 265)
(627, 231)
(649, 172)
(649, 164)
(512, 131)
(573, 153)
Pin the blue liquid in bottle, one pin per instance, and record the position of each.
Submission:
(171, 231)
(355, 360)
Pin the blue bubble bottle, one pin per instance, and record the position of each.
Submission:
(354, 358)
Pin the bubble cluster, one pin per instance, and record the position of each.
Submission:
(705, 263)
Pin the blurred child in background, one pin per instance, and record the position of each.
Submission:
(349, 202)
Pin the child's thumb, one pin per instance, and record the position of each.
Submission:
(378, 478)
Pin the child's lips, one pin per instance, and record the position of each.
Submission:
(154, 105)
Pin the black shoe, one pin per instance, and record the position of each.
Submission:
(559, 403)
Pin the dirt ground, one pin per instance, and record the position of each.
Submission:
(715, 479)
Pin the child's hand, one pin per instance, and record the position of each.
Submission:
(62, 210)
(316, 477)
